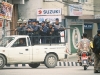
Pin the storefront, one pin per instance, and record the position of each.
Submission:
(88, 29)
(75, 33)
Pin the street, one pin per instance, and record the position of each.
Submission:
(42, 70)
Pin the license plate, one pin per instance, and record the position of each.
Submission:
(84, 62)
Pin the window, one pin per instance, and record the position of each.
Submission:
(5, 41)
(20, 42)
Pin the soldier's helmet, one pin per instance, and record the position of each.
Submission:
(20, 21)
(25, 21)
(47, 20)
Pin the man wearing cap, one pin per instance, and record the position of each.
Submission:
(19, 28)
(43, 32)
(59, 28)
(51, 33)
(96, 50)
(35, 30)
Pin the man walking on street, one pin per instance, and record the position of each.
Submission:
(96, 50)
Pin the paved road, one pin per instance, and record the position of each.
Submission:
(72, 58)
(42, 70)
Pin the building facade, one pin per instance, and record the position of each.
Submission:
(84, 15)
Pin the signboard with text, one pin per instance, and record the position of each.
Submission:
(75, 21)
(88, 26)
(97, 16)
(48, 11)
(75, 10)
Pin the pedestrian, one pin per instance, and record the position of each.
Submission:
(96, 50)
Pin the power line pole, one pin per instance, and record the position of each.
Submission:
(4, 26)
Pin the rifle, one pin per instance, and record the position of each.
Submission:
(61, 29)
(69, 28)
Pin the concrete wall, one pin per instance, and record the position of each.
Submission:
(48, 5)
(29, 9)
(97, 7)
(88, 8)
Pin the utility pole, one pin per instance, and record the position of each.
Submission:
(4, 26)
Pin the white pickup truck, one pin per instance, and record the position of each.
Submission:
(17, 49)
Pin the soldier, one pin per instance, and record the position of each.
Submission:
(43, 32)
(59, 28)
(29, 28)
(19, 29)
(51, 33)
(25, 26)
(47, 21)
(35, 31)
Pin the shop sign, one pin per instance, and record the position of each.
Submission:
(75, 21)
(75, 10)
(97, 16)
(49, 12)
(88, 26)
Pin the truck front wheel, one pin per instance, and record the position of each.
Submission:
(50, 61)
(34, 65)
(2, 61)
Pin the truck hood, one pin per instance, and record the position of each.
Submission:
(2, 49)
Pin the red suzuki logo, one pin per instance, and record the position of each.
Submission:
(39, 12)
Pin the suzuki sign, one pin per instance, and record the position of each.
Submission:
(49, 12)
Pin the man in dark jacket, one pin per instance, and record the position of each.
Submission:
(59, 29)
(43, 32)
(96, 50)
(51, 32)
(20, 29)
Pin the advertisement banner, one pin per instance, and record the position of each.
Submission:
(50, 18)
(6, 10)
(75, 37)
(53, 12)
(75, 10)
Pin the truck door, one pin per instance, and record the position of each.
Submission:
(20, 51)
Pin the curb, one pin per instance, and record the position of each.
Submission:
(58, 64)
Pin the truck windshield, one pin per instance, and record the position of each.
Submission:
(5, 41)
